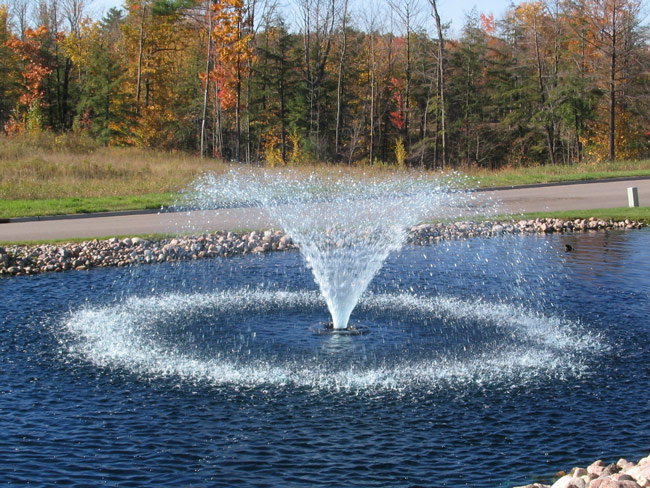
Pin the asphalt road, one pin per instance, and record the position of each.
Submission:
(580, 196)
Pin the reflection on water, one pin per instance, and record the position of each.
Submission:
(617, 259)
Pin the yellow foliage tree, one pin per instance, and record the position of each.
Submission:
(629, 141)
(154, 45)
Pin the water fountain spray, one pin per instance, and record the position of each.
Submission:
(345, 228)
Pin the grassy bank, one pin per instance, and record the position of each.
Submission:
(641, 214)
(43, 174)
(559, 173)
(62, 206)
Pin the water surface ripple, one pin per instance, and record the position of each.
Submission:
(488, 363)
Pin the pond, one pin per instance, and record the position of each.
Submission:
(487, 362)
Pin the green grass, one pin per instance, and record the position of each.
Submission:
(641, 214)
(74, 205)
(559, 173)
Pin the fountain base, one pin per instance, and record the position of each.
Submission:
(327, 328)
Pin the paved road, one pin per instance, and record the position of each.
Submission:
(582, 196)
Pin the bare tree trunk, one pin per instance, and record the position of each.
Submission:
(407, 88)
(218, 128)
(612, 90)
(20, 11)
(441, 81)
(207, 79)
(339, 90)
(425, 125)
(548, 128)
(316, 61)
(281, 93)
(372, 98)
(238, 111)
(140, 56)
(407, 11)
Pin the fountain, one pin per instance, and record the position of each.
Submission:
(253, 329)
(485, 363)
(345, 228)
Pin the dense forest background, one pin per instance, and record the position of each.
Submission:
(551, 82)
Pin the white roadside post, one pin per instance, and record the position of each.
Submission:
(633, 196)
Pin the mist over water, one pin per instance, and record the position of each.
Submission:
(231, 338)
(345, 228)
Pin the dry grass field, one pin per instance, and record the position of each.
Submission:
(46, 174)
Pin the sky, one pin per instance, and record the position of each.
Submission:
(451, 11)
(454, 11)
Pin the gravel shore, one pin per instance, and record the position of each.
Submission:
(28, 260)
(622, 474)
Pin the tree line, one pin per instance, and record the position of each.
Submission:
(553, 81)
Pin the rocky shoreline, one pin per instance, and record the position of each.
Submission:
(622, 474)
(29, 260)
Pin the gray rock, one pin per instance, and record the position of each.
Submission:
(139, 241)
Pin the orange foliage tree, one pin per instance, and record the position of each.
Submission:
(233, 51)
(10, 90)
(34, 70)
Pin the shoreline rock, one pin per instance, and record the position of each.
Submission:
(622, 474)
(28, 260)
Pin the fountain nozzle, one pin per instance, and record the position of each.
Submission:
(327, 328)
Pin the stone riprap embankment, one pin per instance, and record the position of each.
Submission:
(623, 474)
(17, 260)
(429, 233)
(26, 260)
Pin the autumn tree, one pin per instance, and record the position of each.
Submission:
(232, 50)
(611, 28)
(407, 14)
(155, 40)
(103, 103)
(552, 80)
(9, 71)
(34, 70)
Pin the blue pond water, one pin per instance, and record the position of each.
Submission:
(489, 363)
